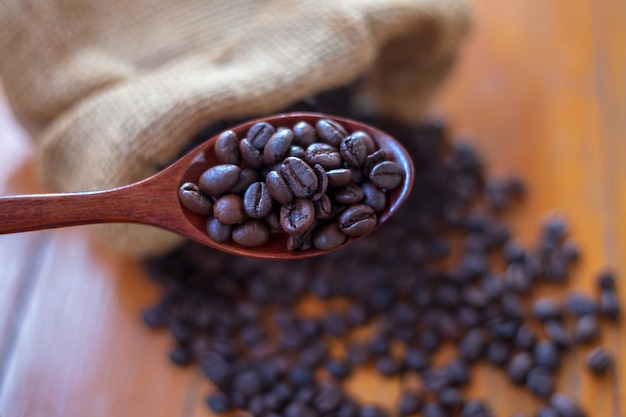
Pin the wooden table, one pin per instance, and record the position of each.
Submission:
(540, 89)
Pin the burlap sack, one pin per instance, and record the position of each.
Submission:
(112, 89)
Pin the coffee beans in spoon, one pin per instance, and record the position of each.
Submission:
(318, 184)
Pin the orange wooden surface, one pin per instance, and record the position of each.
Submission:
(540, 89)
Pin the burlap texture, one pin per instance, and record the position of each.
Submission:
(112, 89)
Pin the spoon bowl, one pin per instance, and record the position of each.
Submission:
(155, 200)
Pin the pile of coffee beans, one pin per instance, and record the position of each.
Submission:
(444, 271)
(319, 185)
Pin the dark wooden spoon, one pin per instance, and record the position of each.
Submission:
(155, 200)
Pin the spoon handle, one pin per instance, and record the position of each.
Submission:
(47, 211)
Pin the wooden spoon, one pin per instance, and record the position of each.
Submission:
(155, 200)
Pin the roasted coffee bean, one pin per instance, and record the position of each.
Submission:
(358, 353)
(353, 150)
(349, 194)
(565, 406)
(547, 411)
(229, 209)
(328, 398)
(587, 329)
(304, 134)
(547, 354)
(518, 367)
(545, 309)
(299, 176)
(299, 409)
(472, 346)
(372, 160)
(297, 217)
(277, 146)
(457, 373)
(338, 177)
(322, 182)
(498, 353)
(374, 197)
(357, 220)
(227, 148)
(330, 131)
(434, 379)
(540, 381)
(180, 356)
(324, 208)
(251, 234)
(191, 197)
(324, 154)
(450, 398)
(339, 368)
(606, 281)
(259, 134)
(373, 411)
(557, 332)
(579, 305)
(251, 155)
(302, 241)
(525, 338)
(247, 177)
(296, 151)
(273, 220)
(609, 304)
(370, 144)
(218, 402)
(410, 403)
(219, 179)
(257, 201)
(598, 360)
(432, 409)
(278, 188)
(389, 366)
(386, 175)
(475, 408)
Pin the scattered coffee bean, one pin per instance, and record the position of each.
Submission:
(565, 406)
(410, 403)
(547, 411)
(579, 305)
(598, 360)
(357, 220)
(218, 402)
(519, 366)
(540, 381)
(587, 329)
(609, 304)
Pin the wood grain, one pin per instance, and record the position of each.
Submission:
(540, 89)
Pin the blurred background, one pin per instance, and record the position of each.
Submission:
(539, 90)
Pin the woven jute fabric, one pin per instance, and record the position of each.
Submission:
(111, 90)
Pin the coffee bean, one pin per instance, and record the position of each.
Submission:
(257, 201)
(545, 309)
(498, 353)
(338, 177)
(416, 360)
(472, 346)
(579, 305)
(370, 144)
(218, 179)
(180, 356)
(475, 408)
(324, 154)
(247, 177)
(547, 354)
(434, 379)
(540, 381)
(374, 197)
(547, 411)
(339, 369)
(297, 152)
(598, 360)
(353, 150)
(432, 409)
(218, 402)
(298, 217)
(372, 160)
(273, 220)
(328, 398)
(357, 220)
(229, 209)
(606, 281)
(304, 134)
(410, 403)
(557, 332)
(299, 409)
(457, 373)
(191, 197)
(450, 398)
(386, 175)
(278, 188)
(525, 338)
(322, 182)
(251, 155)
(227, 148)
(349, 194)
(388, 366)
(372, 411)
(328, 237)
(565, 406)
(277, 146)
(324, 208)
(302, 241)
(609, 304)
(518, 367)
(251, 234)
(587, 329)
(330, 131)
(259, 134)
(299, 176)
